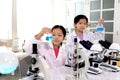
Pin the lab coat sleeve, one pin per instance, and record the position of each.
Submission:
(94, 36)
(98, 36)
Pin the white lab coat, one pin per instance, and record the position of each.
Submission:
(86, 36)
(46, 50)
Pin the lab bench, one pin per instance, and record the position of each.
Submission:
(105, 75)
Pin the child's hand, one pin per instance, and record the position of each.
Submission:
(101, 21)
(45, 30)
(42, 32)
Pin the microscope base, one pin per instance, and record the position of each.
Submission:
(31, 78)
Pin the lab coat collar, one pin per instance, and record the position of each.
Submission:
(74, 33)
(51, 45)
(60, 51)
(84, 35)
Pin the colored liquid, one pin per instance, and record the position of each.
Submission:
(49, 37)
(7, 69)
(100, 28)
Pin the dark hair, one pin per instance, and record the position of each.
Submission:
(78, 17)
(60, 27)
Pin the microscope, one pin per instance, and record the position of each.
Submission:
(111, 55)
(95, 56)
(39, 69)
(34, 68)
(79, 62)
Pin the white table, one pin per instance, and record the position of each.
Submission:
(105, 75)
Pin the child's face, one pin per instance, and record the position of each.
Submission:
(81, 25)
(58, 36)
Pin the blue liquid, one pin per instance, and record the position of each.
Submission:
(7, 69)
(49, 38)
(100, 28)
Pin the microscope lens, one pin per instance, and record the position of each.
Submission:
(114, 63)
(96, 65)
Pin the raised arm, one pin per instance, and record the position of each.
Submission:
(43, 31)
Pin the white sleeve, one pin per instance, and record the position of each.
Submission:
(99, 36)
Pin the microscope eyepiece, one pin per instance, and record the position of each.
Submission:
(105, 43)
(34, 46)
(87, 44)
(75, 39)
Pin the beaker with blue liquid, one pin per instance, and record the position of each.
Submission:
(100, 28)
(49, 37)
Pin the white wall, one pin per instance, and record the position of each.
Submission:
(59, 12)
(35, 14)
(5, 19)
(32, 15)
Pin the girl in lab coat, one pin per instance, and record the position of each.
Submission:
(53, 52)
(80, 32)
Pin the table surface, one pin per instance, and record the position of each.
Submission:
(105, 75)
